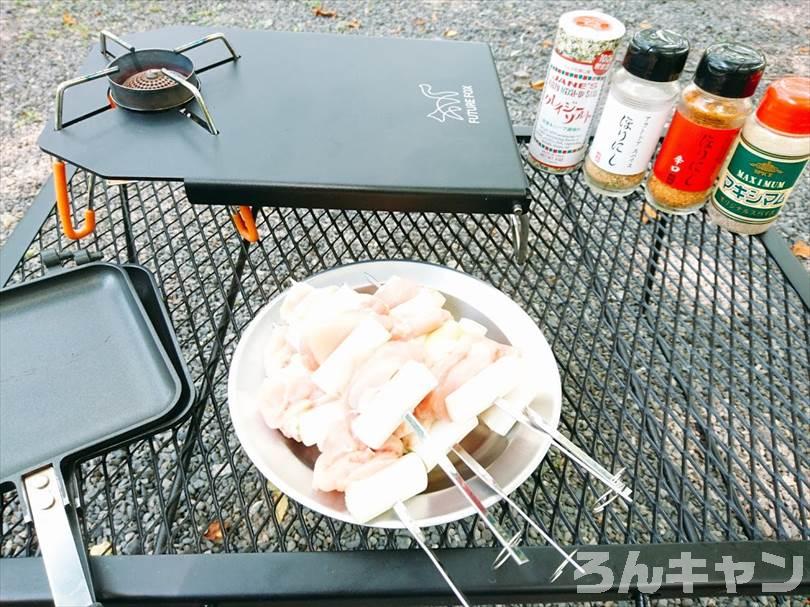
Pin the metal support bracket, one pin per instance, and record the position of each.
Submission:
(520, 233)
(245, 223)
(104, 35)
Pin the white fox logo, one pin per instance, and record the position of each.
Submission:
(448, 104)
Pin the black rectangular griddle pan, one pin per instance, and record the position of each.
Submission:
(149, 294)
(81, 368)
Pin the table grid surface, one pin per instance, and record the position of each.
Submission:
(683, 353)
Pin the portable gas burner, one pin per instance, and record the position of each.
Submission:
(296, 120)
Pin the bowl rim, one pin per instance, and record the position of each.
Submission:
(364, 269)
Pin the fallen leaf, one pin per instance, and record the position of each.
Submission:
(100, 549)
(804, 50)
(68, 19)
(449, 33)
(648, 213)
(353, 24)
(419, 22)
(801, 249)
(537, 85)
(214, 532)
(645, 25)
(320, 11)
(281, 508)
(547, 44)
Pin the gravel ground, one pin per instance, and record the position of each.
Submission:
(50, 40)
(42, 44)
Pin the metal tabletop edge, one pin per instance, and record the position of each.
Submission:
(401, 576)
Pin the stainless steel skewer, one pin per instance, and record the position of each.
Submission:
(450, 470)
(416, 533)
(532, 420)
(485, 476)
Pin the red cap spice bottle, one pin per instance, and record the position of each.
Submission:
(710, 113)
(770, 154)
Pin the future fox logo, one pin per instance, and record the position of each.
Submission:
(448, 103)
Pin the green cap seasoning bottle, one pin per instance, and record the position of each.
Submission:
(770, 154)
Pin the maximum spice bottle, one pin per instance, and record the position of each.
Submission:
(639, 101)
(710, 113)
(770, 154)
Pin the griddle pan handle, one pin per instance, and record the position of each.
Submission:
(63, 205)
(68, 576)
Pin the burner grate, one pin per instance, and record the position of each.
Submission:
(149, 80)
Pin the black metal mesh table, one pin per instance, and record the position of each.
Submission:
(683, 352)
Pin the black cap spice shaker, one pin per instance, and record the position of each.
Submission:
(639, 101)
(710, 114)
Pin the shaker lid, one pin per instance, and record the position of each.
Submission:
(786, 106)
(656, 54)
(730, 70)
(591, 25)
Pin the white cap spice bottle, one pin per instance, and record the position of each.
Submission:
(639, 102)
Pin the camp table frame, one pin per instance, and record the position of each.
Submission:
(683, 351)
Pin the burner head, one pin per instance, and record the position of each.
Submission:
(140, 84)
(149, 80)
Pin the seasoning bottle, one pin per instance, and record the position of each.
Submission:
(771, 152)
(583, 52)
(710, 113)
(639, 101)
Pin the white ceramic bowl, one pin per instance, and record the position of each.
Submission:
(510, 459)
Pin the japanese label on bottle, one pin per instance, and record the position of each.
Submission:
(691, 155)
(756, 183)
(570, 96)
(626, 137)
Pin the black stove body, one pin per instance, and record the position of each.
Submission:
(309, 120)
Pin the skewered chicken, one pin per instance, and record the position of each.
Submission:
(345, 368)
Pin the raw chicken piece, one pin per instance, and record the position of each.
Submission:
(378, 369)
(472, 397)
(297, 294)
(287, 387)
(454, 371)
(389, 405)
(278, 352)
(335, 372)
(305, 302)
(332, 470)
(321, 337)
(391, 451)
(345, 459)
(316, 423)
(290, 420)
(396, 290)
(346, 298)
(340, 439)
(393, 445)
(419, 315)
